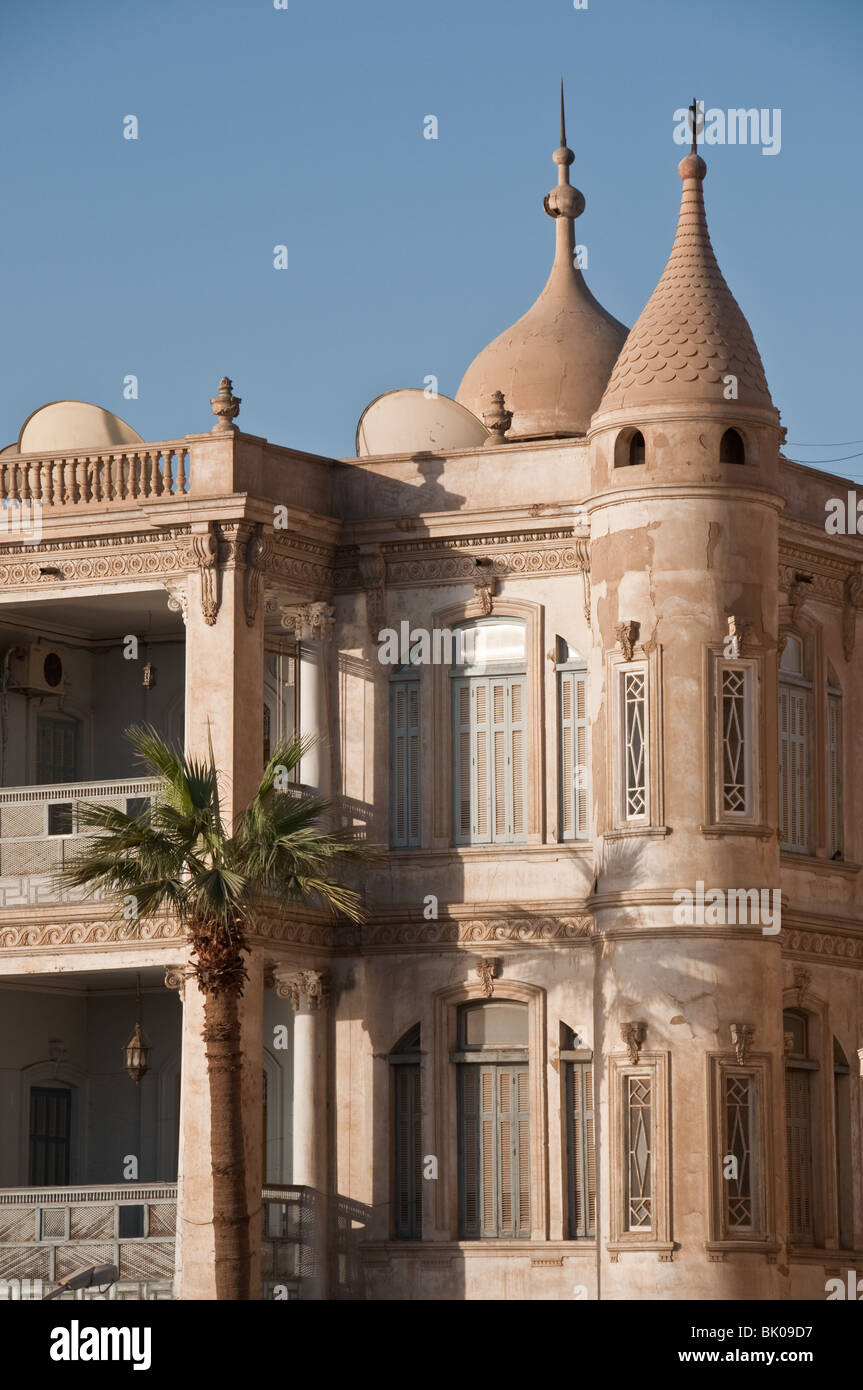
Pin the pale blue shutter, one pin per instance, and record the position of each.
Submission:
(405, 763)
(572, 755)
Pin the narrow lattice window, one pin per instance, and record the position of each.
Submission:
(737, 1156)
(639, 1153)
(635, 750)
(735, 744)
(405, 763)
(581, 1153)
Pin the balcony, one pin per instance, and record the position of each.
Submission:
(47, 1234)
(39, 834)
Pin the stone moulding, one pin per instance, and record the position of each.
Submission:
(51, 935)
(514, 931)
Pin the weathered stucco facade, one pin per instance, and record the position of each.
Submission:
(680, 684)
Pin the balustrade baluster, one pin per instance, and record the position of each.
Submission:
(181, 471)
(159, 478)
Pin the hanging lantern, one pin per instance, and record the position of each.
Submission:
(149, 676)
(136, 1053)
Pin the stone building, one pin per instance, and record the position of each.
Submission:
(583, 655)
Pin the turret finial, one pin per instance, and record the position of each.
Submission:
(562, 119)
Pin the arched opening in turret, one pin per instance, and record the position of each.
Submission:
(629, 449)
(731, 448)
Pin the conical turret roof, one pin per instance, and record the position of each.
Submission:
(692, 334)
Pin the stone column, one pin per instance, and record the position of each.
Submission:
(312, 624)
(307, 990)
(194, 1276)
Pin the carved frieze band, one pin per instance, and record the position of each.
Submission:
(514, 930)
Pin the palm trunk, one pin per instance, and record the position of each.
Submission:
(221, 976)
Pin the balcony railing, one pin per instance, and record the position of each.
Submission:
(47, 1234)
(143, 474)
(39, 830)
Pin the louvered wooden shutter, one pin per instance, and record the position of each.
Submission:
(799, 1122)
(573, 755)
(494, 1151)
(794, 777)
(405, 767)
(835, 804)
(581, 1150)
(469, 1152)
(517, 696)
(408, 1152)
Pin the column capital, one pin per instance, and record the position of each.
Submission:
(304, 988)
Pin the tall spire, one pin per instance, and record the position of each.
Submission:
(564, 202)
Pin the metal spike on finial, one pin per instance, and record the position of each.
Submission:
(562, 119)
(694, 109)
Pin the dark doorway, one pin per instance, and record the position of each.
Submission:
(50, 1136)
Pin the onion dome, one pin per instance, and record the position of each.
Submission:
(553, 364)
(692, 335)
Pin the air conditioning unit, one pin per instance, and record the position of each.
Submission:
(40, 668)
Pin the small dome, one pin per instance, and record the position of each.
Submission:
(410, 422)
(691, 334)
(73, 425)
(554, 363)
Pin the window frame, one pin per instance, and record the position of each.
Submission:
(656, 1066)
(576, 673)
(412, 733)
(761, 1235)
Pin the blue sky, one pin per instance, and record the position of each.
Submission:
(304, 127)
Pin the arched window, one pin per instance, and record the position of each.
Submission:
(489, 696)
(494, 1120)
(629, 448)
(795, 754)
(407, 1136)
(731, 449)
(842, 1125)
(636, 448)
(801, 1070)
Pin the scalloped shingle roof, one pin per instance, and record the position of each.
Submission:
(692, 332)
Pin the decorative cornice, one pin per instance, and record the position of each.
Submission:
(51, 935)
(514, 931)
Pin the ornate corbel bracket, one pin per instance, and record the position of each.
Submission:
(175, 978)
(741, 1037)
(799, 591)
(852, 597)
(486, 969)
(373, 577)
(205, 549)
(627, 636)
(632, 1036)
(802, 981)
(483, 586)
(178, 600)
(581, 546)
(258, 551)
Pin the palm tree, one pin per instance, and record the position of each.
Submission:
(176, 857)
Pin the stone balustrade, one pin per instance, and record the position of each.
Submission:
(127, 474)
